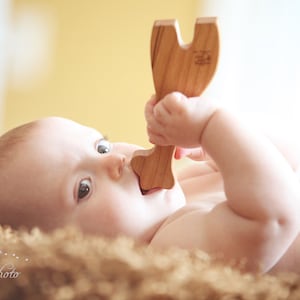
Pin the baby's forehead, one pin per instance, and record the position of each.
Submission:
(63, 125)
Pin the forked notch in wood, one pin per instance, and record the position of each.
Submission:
(176, 67)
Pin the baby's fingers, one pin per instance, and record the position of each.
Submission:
(155, 137)
(149, 107)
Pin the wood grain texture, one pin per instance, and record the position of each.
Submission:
(186, 68)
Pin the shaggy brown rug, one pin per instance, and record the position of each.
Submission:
(68, 265)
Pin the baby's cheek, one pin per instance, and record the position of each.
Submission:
(113, 218)
(95, 219)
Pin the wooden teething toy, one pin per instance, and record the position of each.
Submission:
(176, 67)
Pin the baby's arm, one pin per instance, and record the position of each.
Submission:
(260, 218)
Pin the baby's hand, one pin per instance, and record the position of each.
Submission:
(177, 120)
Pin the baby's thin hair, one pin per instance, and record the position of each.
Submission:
(12, 139)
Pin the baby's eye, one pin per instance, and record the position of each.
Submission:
(103, 146)
(84, 189)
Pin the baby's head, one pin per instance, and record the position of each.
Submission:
(55, 172)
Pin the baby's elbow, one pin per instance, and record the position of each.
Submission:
(289, 218)
(289, 225)
(282, 231)
(272, 241)
(287, 222)
(285, 219)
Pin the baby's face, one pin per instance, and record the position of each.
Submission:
(69, 174)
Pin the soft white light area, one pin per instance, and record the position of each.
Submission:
(4, 28)
(259, 67)
(31, 46)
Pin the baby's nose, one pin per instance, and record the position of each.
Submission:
(114, 164)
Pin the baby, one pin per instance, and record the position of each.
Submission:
(242, 201)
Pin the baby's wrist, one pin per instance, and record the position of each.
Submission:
(210, 110)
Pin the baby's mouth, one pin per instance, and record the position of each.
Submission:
(148, 192)
(145, 192)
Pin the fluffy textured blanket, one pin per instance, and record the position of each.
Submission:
(68, 265)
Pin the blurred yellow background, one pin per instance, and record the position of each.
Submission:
(90, 61)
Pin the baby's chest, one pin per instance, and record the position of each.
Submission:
(207, 189)
(181, 229)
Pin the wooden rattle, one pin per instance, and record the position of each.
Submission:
(176, 67)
